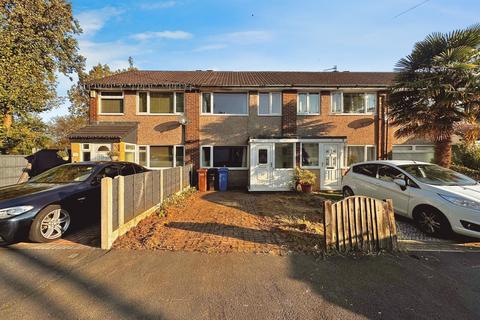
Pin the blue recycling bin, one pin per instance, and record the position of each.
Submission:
(222, 179)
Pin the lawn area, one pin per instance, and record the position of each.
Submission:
(275, 223)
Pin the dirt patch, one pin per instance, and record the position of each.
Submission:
(276, 223)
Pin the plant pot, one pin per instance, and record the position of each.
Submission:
(306, 188)
(114, 158)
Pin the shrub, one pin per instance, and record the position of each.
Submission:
(304, 177)
(474, 174)
(466, 156)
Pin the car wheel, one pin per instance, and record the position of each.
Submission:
(49, 224)
(347, 192)
(432, 222)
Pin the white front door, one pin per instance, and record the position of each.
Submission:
(100, 152)
(261, 166)
(331, 155)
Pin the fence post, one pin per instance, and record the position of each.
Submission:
(327, 228)
(106, 216)
(161, 185)
(181, 178)
(121, 200)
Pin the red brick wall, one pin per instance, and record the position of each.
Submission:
(93, 109)
(289, 113)
(192, 129)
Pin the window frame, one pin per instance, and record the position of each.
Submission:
(365, 93)
(309, 113)
(148, 113)
(294, 155)
(202, 165)
(212, 107)
(134, 151)
(270, 104)
(147, 152)
(301, 156)
(101, 97)
(365, 148)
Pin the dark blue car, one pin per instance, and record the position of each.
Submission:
(44, 208)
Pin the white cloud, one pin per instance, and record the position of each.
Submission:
(157, 5)
(92, 21)
(245, 37)
(210, 47)
(115, 54)
(178, 35)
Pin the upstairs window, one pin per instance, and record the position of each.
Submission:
(308, 103)
(225, 103)
(270, 104)
(354, 102)
(160, 102)
(111, 102)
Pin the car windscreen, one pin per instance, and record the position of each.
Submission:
(436, 175)
(64, 174)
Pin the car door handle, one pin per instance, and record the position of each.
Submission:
(81, 198)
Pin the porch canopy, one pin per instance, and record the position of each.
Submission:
(106, 132)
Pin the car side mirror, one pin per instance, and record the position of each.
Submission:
(401, 183)
(96, 180)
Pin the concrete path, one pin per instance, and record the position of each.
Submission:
(121, 284)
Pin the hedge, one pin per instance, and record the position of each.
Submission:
(474, 174)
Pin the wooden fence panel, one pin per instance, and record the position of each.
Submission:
(156, 187)
(128, 198)
(148, 190)
(11, 168)
(115, 204)
(359, 224)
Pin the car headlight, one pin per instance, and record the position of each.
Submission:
(13, 211)
(462, 202)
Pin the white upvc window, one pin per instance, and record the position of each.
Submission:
(310, 155)
(111, 103)
(308, 103)
(360, 153)
(270, 104)
(224, 103)
(131, 152)
(232, 157)
(160, 103)
(161, 156)
(424, 153)
(345, 102)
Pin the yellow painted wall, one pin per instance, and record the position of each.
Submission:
(121, 149)
(75, 149)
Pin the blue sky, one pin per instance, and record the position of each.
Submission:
(355, 35)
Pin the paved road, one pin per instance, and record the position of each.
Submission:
(94, 284)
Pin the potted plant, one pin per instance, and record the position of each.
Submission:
(63, 154)
(305, 178)
(114, 154)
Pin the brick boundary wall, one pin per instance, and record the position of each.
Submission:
(289, 113)
(192, 129)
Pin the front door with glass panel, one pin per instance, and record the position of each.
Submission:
(331, 155)
(261, 166)
(100, 152)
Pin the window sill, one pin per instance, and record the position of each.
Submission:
(159, 114)
(352, 114)
(269, 115)
(224, 115)
(308, 114)
(310, 167)
(111, 114)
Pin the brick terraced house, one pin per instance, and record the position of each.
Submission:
(258, 124)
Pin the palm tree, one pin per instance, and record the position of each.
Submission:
(434, 87)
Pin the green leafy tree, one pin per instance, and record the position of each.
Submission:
(79, 95)
(61, 127)
(435, 86)
(37, 40)
(28, 133)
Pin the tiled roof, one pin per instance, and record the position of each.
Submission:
(243, 78)
(104, 130)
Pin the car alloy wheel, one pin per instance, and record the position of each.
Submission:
(54, 224)
(429, 222)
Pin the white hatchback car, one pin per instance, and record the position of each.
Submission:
(438, 199)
